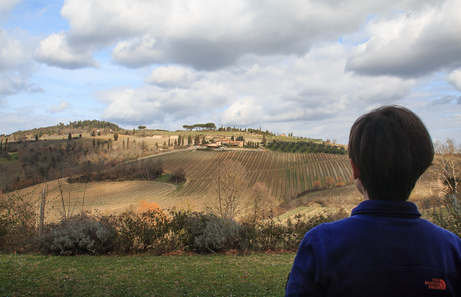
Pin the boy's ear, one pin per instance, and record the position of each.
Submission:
(355, 170)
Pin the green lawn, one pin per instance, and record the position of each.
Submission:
(204, 275)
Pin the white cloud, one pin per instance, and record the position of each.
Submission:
(55, 51)
(172, 76)
(63, 105)
(454, 79)
(411, 44)
(6, 6)
(15, 64)
(206, 34)
(278, 93)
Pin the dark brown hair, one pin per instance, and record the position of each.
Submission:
(391, 148)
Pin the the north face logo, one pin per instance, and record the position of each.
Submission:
(437, 284)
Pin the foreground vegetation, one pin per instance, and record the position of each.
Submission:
(184, 275)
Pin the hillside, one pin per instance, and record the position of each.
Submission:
(284, 174)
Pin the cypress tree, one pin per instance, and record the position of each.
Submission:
(128, 144)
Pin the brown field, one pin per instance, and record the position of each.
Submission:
(282, 173)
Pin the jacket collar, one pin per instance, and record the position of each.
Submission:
(387, 208)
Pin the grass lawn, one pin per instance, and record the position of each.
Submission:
(185, 275)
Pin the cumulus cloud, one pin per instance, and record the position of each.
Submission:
(14, 53)
(55, 51)
(272, 92)
(454, 79)
(63, 105)
(15, 65)
(203, 34)
(172, 77)
(411, 44)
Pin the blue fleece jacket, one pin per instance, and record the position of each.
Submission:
(383, 249)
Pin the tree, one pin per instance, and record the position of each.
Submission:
(69, 137)
(141, 127)
(227, 189)
(259, 204)
(115, 136)
(447, 166)
(179, 175)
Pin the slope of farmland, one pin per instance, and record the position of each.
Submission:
(283, 174)
(104, 197)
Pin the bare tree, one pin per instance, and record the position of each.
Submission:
(227, 189)
(447, 166)
(259, 204)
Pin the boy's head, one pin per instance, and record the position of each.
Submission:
(391, 148)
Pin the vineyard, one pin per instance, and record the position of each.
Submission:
(285, 175)
(282, 173)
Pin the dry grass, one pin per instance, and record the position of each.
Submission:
(102, 197)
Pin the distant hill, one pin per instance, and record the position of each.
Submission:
(76, 126)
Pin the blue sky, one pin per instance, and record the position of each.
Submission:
(307, 67)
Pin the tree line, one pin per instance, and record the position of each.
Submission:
(207, 126)
(305, 147)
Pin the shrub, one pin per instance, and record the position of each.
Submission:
(4, 154)
(17, 223)
(451, 221)
(78, 235)
(139, 232)
(217, 234)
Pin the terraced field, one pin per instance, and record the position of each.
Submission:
(281, 172)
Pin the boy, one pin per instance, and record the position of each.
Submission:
(384, 248)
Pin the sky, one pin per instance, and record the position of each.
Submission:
(310, 67)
